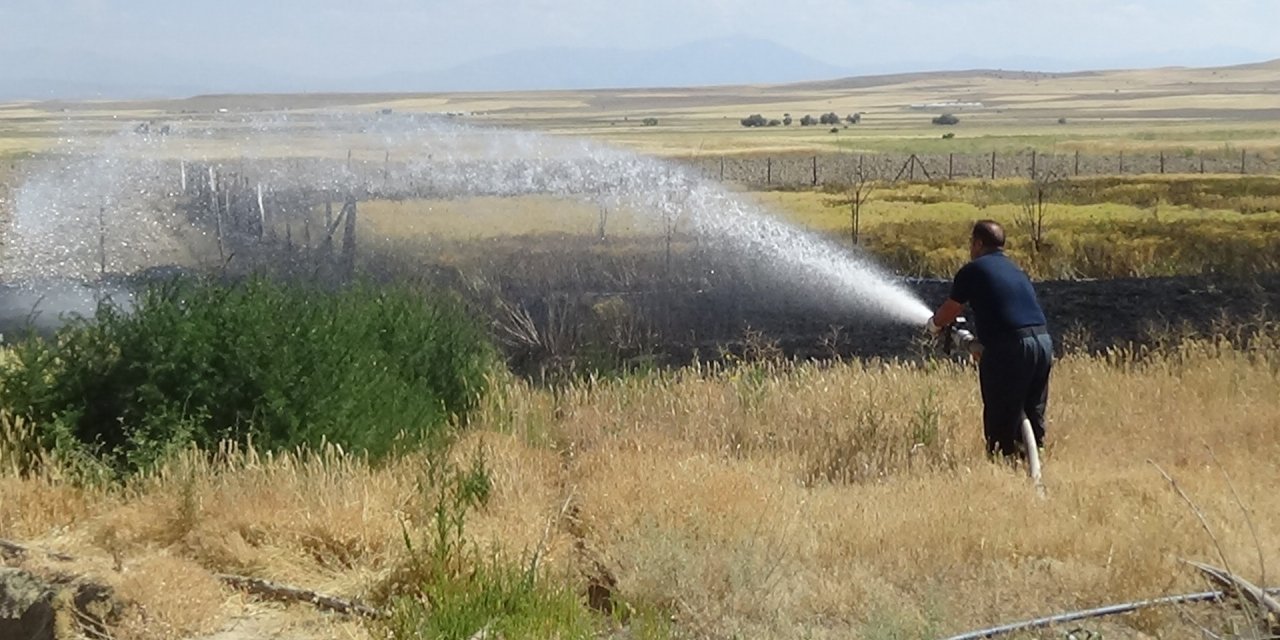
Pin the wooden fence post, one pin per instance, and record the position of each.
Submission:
(349, 236)
(950, 159)
(216, 211)
(768, 170)
(815, 171)
(1033, 165)
(993, 165)
(1242, 156)
(1162, 162)
(102, 240)
(1077, 162)
(262, 214)
(1121, 163)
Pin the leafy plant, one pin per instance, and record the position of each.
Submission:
(451, 588)
(284, 365)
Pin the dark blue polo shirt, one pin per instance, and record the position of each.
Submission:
(1000, 295)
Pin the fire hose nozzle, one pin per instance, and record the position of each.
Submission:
(958, 336)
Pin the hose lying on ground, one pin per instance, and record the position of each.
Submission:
(1094, 613)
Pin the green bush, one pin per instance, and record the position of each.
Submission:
(280, 365)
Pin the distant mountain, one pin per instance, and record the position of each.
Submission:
(709, 62)
(43, 73)
(1201, 58)
(70, 74)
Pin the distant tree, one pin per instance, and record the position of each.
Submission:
(807, 121)
(853, 118)
(946, 118)
(775, 122)
(834, 130)
(1062, 120)
(650, 122)
(754, 120)
(786, 119)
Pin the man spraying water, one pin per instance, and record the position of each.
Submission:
(1017, 351)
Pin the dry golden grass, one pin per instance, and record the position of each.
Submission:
(180, 599)
(489, 217)
(758, 501)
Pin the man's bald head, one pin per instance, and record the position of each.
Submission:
(989, 234)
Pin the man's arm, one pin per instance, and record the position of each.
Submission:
(945, 315)
(954, 306)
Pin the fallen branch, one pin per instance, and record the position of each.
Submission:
(268, 589)
(11, 549)
(255, 586)
(1251, 593)
(1094, 613)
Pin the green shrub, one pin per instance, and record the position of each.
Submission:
(281, 365)
(493, 595)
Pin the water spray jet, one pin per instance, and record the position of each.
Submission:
(114, 205)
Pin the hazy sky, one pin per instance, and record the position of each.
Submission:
(337, 38)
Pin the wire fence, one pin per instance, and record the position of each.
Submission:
(840, 169)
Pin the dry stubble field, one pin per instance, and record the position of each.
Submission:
(759, 501)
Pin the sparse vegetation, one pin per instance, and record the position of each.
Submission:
(1087, 228)
(946, 119)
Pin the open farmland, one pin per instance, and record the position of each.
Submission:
(660, 435)
(1172, 109)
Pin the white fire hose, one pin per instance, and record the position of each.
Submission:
(957, 336)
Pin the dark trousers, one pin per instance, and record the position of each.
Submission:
(1014, 376)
